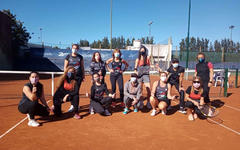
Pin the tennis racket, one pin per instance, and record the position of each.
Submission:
(208, 110)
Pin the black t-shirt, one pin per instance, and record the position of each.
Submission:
(174, 77)
(75, 61)
(195, 95)
(97, 92)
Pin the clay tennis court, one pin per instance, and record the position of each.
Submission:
(134, 131)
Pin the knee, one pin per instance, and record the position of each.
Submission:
(161, 105)
(152, 99)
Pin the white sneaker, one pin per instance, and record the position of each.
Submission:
(91, 111)
(28, 116)
(107, 113)
(70, 109)
(164, 112)
(154, 112)
(33, 123)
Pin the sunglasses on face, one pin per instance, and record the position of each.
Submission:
(196, 81)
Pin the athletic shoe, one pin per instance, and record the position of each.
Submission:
(91, 111)
(125, 111)
(135, 110)
(149, 106)
(164, 112)
(33, 123)
(182, 110)
(77, 116)
(71, 108)
(154, 112)
(107, 113)
(28, 116)
(113, 104)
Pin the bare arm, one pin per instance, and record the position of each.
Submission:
(30, 95)
(65, 64)
(136, 65)
(107, 63)
(211, 74)
(126, 65)
(169, 96)
(181, 79)
(154, 88)
(43, 100)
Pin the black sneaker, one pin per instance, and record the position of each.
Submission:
(182, 110)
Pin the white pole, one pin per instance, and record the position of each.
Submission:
(52, 83)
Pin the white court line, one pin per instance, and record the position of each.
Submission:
(230, 129)
(232, 107)
(9, 130)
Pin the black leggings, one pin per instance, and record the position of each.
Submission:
(117, 78)
(190, 104)
(58, 100)
(100, 106)
(181, 93)
(206, 89)
(33, 108)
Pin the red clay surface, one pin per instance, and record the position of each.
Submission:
(134, 131)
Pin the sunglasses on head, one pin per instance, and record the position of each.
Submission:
(196, 81)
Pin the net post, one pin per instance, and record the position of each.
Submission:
(225, 82)
(236, 80)
(52, 83)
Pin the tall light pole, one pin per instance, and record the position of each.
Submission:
(150, 23)
(41, 36)
(189, 12)
(231, 28)
(111, 26)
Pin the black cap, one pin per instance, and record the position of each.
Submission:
(174, 60)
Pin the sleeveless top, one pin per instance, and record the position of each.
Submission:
(75, 61)
(203, 71)
(161, 92)
(39, 92)
(117, 66)
(143, 69)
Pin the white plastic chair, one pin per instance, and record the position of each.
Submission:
(221, 80)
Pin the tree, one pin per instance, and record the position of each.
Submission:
(105, 43)
(128, 42)
(151, 40)
(19, 33)
(56, 47)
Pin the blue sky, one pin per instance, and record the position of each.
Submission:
(69, 21)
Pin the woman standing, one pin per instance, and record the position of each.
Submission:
(67, 90)
(161, 95)
(142, 68)
(195, 98)
(98, 66)
(32, 93)
(116, 73)
(204, 70)
(75, 60)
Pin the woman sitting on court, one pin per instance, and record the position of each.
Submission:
(32, 93)
(161, 95)
(67, 90)
(100, 103)
(132, 94)
(195, 98)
